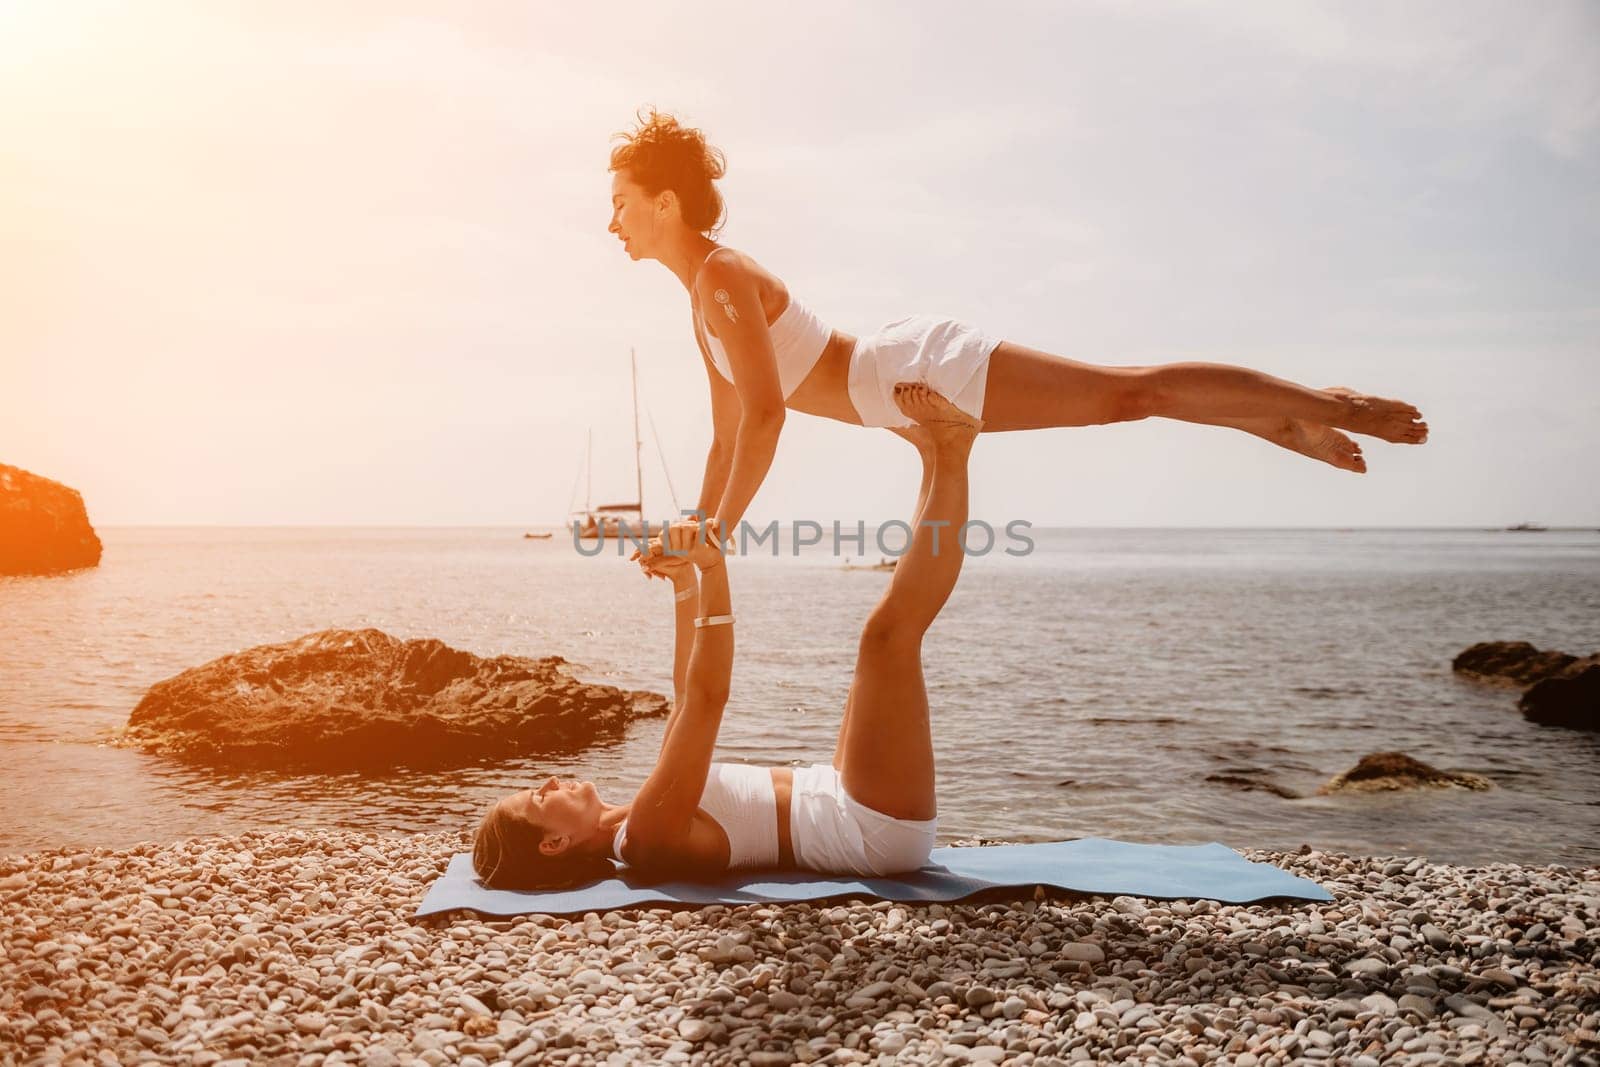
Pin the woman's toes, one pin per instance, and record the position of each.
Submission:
(908, 400)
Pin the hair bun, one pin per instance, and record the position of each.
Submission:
(662, 153)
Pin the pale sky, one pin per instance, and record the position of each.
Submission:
(310, 263)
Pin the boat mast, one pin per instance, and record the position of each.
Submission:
(588, 466)
(638, 470)
(662, 456)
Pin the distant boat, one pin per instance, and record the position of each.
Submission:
(607, 520)
(1527, 527)
(537, 537)
(599, 525)
(884, 564)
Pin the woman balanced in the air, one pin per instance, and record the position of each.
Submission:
(764, 351)
(871, 812)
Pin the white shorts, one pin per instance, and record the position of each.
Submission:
(833, 833)
(952, 357)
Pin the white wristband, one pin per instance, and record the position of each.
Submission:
(714, 620)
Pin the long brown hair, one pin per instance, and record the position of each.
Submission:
(505, 855)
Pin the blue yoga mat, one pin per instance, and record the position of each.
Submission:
(1086, 865)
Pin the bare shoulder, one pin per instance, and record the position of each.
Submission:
(729, 270)
(671, 862)
(658, 865)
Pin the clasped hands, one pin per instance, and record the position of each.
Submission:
(681, 546)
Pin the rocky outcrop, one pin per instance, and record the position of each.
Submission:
(44, 528)
(1387, 771)
(1562, 690)
(1570, 698)
(363, 700)
(1509, 663)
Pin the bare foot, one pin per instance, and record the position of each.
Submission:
(916, 435)
(943, 421)
(1324, 443)
(1392, 420)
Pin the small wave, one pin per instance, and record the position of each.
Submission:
(1076, 783)
(1322, 692)
(1246, 785)
(1111, 720)
(1499, 770)
(1245, 745)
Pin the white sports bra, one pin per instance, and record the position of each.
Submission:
(740, 797)
(798, 340)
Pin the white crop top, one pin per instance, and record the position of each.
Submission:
(741, 799)
(799, 338)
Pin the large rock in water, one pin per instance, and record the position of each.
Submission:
(363, 700)
(1509, 662)
(1387, 771)
(44, 528)
(1571, 698)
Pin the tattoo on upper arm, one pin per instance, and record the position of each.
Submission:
(722, 297)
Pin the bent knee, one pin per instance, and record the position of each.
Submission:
(887, 628)
(1136, 395)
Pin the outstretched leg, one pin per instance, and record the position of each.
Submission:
(885, 752)
(1308, 439)
(1028, 389)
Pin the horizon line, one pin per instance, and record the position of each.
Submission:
(554, 527)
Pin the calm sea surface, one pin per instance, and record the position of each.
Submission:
(1091, 688)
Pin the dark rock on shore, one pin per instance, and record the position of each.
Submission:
(1386, 771)
(341, 700)
(1570, 698)
(1562, 690)
(1509, 663)
(44, 528)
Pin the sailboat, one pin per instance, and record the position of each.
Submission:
(608, 520)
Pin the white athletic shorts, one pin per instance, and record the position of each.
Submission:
(951, 357)
(834, 833)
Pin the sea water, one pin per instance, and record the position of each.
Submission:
(1166, 686)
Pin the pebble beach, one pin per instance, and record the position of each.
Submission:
(299, 948)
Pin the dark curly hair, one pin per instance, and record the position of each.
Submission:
(663, 154)
(505, 855)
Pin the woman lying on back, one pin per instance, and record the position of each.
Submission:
(872, 811)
